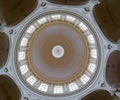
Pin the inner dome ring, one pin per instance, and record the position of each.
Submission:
(75, 67)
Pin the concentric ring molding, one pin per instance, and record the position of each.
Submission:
(31, 79)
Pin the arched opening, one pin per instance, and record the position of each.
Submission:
(100, 95)
(113, 70)
(107, 15)
(4, 48)
(69, 2)
(14, 11)
(8, 89)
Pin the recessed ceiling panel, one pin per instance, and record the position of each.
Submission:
(107, 15)
(14, 11)
(100, 95)
(4, 48)
(8, 89)
(69, 2)
(113, 70)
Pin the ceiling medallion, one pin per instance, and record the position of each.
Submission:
(57, 54)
